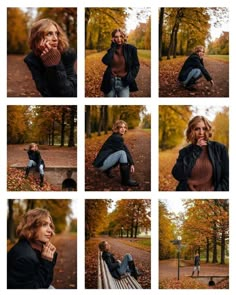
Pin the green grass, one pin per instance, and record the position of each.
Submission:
(147, 130)
(219, 57)
(144, 53)
(139, 243)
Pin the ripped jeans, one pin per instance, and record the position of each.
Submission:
(32, 163)
(118, 89)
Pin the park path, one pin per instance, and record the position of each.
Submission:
(169, 87)
(142, 260)
(139, 144)
(168, 269)
(94, 70)
(53, 156)
(65, 271)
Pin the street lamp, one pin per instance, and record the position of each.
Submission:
(179, 238)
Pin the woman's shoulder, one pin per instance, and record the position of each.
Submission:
(216, 144)
(130, 47)
(31, 58)
(70, 52)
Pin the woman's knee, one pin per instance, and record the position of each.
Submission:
(31, 163)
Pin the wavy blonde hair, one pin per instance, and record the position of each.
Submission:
(190, 134)
(122, 33)
(31, 221)
(38, 32)
(116, 126)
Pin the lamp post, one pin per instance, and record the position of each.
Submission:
(179, 238)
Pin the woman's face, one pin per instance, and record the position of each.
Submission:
(34, 147)
(200, 131)
(122, 129)
(51, 35)
(45, 231)
(118, 38)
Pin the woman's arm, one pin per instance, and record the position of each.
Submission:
(185, 162)
(107, 58)
(224, 180)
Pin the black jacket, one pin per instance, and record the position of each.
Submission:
(26, 269)
(36, 157)
(193, 62)
(54, 81)
(197, 260)
(112, 264)
(114, 143)
(132, 67)
(187, 158)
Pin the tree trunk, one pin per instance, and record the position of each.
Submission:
(10, 222)
(161, 19)
(222, 254)
(63, 115)
(207, 250)
(214, 240)
(87, 121)
(71, 142)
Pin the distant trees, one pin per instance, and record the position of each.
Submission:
(204, 226)
(181, 29)
(102, 118)
(100, 22)
(59, 209)
(43, 124)
(219, 45)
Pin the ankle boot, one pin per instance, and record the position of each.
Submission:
(41, 180)
(27, 170)
(125, 175)
(133, 270)
(109, 173)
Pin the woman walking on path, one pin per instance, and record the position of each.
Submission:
(51, 62)
(31, 261)
(122, 67)
(203, 165)
(114, 152)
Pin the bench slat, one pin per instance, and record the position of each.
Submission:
(106, 280)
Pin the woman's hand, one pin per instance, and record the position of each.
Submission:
(44, 46)
(132, 169)
(48, 251)
(201, 142)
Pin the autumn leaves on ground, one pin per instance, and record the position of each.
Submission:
(138, 142)
(125, 224)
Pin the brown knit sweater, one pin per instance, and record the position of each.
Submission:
(201, 178)
(118, 63)
(51, 58)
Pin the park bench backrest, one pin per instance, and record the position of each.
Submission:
(106, 280)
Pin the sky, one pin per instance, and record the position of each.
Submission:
(174, 205)
(133, 21)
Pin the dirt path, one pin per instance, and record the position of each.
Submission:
(142, 260)
(94, 70)
(53, 156)
(168, 269)
(169, 86)
(19, 78)
(138, 142)
(65, 271)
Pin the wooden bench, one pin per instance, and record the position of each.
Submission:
(106, 280)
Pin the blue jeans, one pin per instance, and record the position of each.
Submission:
(32, 163)
(118, 88)
(194, 74)
(113, 159)
(124, 266)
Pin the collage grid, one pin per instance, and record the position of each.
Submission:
(81, 101)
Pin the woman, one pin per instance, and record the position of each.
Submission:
(116, 267)
(122, 67)
(114, 152)
(35, 160)
(51, 62)
(203, 165)
(31, 261)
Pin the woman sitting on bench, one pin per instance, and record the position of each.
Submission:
(116, 267)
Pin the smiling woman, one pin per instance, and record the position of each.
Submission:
(51, 62)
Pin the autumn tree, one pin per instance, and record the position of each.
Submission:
(220, 45)
(221, 127)
(17, 31)
(166, 233)
(95, 216)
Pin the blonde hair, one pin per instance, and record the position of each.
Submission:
(116, 126)
(190, 135)
(33, 144)
(38, 32)
(102, 246)
(199, 48)
(31, 221)
(123, 35)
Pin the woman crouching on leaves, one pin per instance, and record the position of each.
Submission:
(51, 62)
(114, 152)
(35, 160)
(31, 261)
(203, 165)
